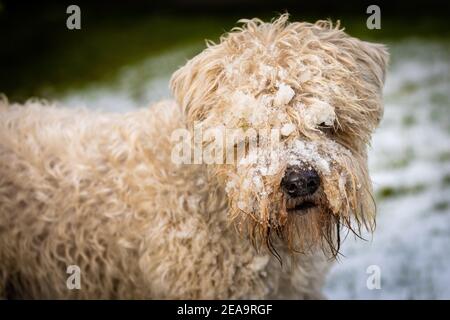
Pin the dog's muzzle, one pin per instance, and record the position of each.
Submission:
(299, 185)
(299, 182)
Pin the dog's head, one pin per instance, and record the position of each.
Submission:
(299, 103)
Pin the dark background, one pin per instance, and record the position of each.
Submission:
(39, 56)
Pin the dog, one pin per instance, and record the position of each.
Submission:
(101, 194)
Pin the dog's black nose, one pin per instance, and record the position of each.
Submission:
(298, 182)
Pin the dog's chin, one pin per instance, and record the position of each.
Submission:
(301, 206)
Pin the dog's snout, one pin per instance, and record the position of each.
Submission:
(298, 182)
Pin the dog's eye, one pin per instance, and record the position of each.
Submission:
(324, 125)
(327, 129)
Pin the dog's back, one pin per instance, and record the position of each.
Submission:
(69, 183)
(100, 192)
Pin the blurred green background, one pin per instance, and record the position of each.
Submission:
(39, 56)
(125, 52)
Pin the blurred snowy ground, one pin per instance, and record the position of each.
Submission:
(410, 169)
(409, 162)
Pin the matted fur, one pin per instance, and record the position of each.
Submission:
(100, 191)
(270, 75)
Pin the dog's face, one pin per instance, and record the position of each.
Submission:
(305, 99)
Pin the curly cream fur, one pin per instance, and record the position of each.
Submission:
(100, 191)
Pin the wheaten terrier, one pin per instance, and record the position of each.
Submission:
(123, 198)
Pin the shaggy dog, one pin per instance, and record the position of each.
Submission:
(106, 193)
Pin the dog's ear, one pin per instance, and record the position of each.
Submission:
(369, 62)
(194, 85)
(373, 60)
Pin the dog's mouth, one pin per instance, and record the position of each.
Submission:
(300, 206)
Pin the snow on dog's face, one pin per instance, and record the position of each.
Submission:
(307, 98)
